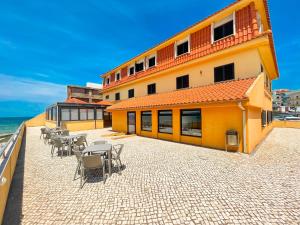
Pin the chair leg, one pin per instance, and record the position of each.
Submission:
(61, 152)
(76, 171)
(52, 150)
(82, 177)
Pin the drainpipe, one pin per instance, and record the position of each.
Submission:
(244, 125)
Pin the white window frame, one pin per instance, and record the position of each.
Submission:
(220, 23)
(259, 23)
(149, 57)
(118, 72)
(128, 70)
(140, 61)
(188, 38)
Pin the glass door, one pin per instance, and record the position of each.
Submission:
(131, 122)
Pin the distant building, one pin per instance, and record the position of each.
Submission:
(85, 94)
(294, 101)
(280, 100)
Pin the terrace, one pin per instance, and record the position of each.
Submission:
(161, 183)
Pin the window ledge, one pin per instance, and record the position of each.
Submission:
(231, 35)
(184, 54)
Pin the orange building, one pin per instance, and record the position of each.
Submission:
(212, 79)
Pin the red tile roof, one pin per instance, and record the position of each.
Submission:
(220, 92)
(75, 100)
(103, 102)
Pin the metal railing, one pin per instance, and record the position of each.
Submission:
(8, 160)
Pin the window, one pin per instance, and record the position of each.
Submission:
(131, 93)
(182, 82)
(263, 118)
(182, 47)
(165, 121)
(107, 97)
(139, 66)
(117, 96)
(83, 114)
(151, 89)
(191, 122)
(65, 114)
(146, 122)
(118, 76)
(91, 115)
(131, 70)
(99, 113)
(225, 72)
(269, 117)
(54, 113)
(107, 80)
(152, 61)
(224, 28)
(74, 114)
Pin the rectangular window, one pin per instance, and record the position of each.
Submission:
(74, 114)
(151, 61)
(54, 113)
(139, 66)
(182, 48)
(182, 82)
(91, 115)
(146, 122)
(263, 118)
(165, 121)
(225, 72)
(99, 113)
(191, 122)
(131, 70)
(107, 80)
(117, 96)
(107, 97)
(224, 27)
(83, 114)
(118, 76)
(131, 93)
(151, 89)
(269, 117)
(65, 114)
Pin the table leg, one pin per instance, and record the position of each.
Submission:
(109, 163)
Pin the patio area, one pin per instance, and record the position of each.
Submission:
(161, 183)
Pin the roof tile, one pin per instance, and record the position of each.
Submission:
(220, 92)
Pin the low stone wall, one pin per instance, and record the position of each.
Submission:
(286, 124)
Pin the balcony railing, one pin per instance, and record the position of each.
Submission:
(8, 160)
(82, 95)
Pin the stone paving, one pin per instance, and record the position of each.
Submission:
(161, 183)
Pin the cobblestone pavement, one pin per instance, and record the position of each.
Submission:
(161, 183)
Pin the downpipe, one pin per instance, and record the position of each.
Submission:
(244, 126)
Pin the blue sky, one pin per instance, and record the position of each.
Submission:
(45, 45)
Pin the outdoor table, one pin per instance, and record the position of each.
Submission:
(69, 138)
(100, 149)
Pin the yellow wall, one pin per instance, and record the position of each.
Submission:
(82, 125)
(286, 124)
(50, 124)
(247, 64)
(38, 120)
(215, 122)
(255, 132)
(8, 172)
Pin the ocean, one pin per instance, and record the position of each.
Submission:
(11, 124)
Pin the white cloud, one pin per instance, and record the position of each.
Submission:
(30, 90)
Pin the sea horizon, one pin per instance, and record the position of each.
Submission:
(10, 124)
